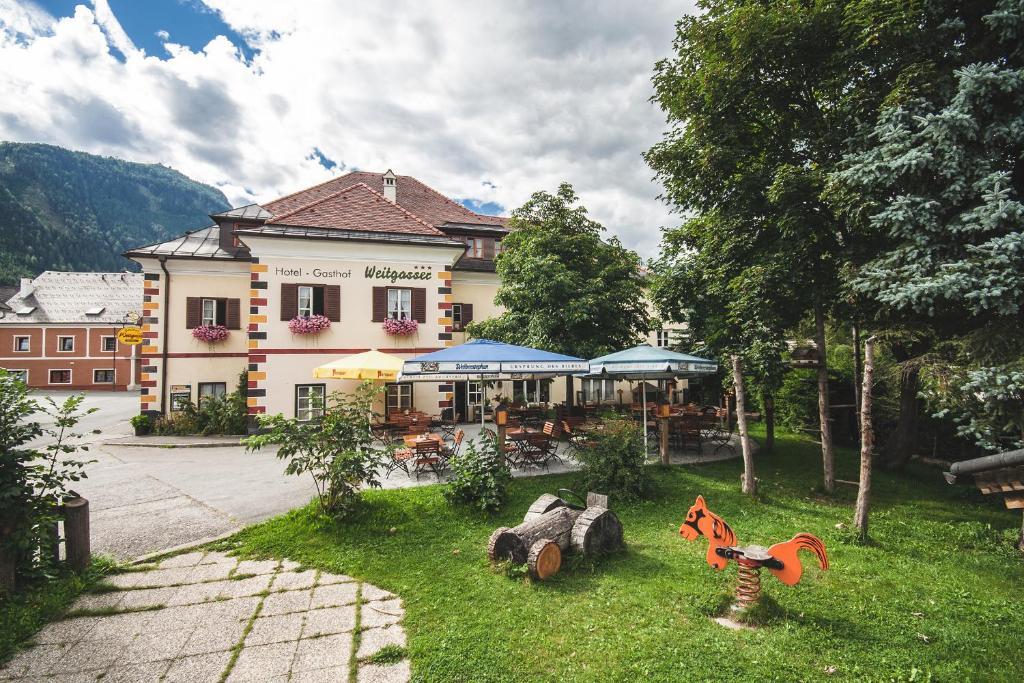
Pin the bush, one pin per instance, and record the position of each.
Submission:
(615, 463)
(479, 476)
(34, 481)
(336, 450)
(213, 415)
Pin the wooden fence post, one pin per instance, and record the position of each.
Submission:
(76, 533)
(663, 440)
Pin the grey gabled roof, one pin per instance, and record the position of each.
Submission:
(60, 297)
(300, 232)
(203, 243)
(249, 212)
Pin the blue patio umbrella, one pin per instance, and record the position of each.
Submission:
(646, 362)
(485, 359)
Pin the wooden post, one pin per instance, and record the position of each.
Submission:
(663, 440)
(749, 481)
(502, 431)
(76, 533)
(867, 442)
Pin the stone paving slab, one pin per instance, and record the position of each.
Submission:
(207, 616)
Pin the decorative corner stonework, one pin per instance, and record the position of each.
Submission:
(257, 330)
(149, 393)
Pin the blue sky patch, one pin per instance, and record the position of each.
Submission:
(483, 208)
(323, 159)
(186, 22)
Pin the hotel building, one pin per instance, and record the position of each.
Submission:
(359, 250)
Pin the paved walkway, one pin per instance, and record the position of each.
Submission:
(210, 617)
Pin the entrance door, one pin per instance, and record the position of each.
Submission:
(460, 401)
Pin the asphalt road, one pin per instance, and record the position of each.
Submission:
(145, 499)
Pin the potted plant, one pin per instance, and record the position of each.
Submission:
(312, 324)
(211, 334)
(401, 327)
(143, 424)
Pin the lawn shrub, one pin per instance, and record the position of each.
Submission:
(34, 481)
(479, 476)
(335, 449)
(615, 463)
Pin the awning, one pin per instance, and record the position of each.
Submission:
(487, 359)
(648, 362)
(372, 365)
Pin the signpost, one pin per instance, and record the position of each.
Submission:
(129, 334)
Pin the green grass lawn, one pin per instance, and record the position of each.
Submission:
(937, 595)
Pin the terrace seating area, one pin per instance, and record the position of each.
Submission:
(540, 439)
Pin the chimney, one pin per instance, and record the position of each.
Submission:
(26, 288)
(391, 186)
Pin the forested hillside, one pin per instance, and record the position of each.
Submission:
(64, 210)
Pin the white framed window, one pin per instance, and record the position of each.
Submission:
(305, 301)
(457, 316)
(60, 377)
(20, 375)
(65, 344)
(214, 389)
(498, 248)
(400, 304)
(474, 247)
(22, 344)
(664, 338)
(103, 376)
(309, 401)
(209, 316)
(399, 397)
(530, 391)
(599, 390)
(474, 393)
(109, 344)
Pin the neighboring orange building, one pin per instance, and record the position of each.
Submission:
(59, 330)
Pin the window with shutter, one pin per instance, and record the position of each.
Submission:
(380, 304)
(289, 300)
(332, 303)
(233, 320)
(419, 305)
(193, 312)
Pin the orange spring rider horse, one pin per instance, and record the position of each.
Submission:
(780, 559)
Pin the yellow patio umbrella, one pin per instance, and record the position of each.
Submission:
(372, 365)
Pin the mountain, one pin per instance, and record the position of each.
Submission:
(64, 210)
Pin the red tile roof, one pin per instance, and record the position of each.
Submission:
(356, 207)
(427, 204)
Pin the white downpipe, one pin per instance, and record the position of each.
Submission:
(483, 401)
(643, 418)
(133, 386)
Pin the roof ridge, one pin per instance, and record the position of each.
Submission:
(311, 187)
(446, 197)
(354, 186)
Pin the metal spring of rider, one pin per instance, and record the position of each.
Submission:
(748, 587)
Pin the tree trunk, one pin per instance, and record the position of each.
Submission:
(769, 420)
(857, 370)
(824, 411)
(570, 398)
(867, 443)
(749, 482)
(901, 443)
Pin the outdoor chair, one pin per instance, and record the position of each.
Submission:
(577, 438)
(417, 428)
(452, 451)
(397, 459)
(718, 434)
(448, 423)
(688, 431)
(427, 456)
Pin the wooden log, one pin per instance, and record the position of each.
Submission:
(545, 503)
(514, 544)
(544, 559)
(76, 534)
(596, 531)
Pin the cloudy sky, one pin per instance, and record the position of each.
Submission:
(485, 101)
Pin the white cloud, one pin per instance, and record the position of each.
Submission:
(478, 100)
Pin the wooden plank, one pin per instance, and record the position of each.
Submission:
(1015, 501)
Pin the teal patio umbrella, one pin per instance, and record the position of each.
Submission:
(646, 362)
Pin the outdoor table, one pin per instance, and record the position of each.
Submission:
(412, 440)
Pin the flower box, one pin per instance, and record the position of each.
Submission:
(400, 328)
(211, 334)
(314, 324)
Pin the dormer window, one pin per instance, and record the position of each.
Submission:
(474, 247)
(391, 186)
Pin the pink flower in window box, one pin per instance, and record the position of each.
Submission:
(211, 334)
(400, 328)
(314, 324)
